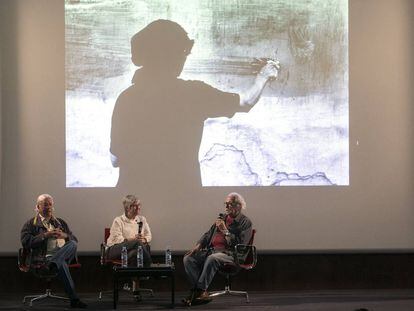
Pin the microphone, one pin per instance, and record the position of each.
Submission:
(140, 227)
(222, 216)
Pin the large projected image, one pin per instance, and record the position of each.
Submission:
(211, 93)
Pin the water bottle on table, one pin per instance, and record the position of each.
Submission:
(140, 257)
(168, 256)
(124, 257)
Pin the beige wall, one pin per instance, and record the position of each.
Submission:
(374, 212)
(1, 123)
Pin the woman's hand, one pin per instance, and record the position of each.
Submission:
(141, 238)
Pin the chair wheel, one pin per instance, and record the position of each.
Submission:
(137, 296)
(186, 302)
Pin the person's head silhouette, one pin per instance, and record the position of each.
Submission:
(161, 48)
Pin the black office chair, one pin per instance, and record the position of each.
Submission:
(105, 263)
(245, 258)
(25, 265)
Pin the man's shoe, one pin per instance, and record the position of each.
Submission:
(200, 297)
(204, 297)
(76, 303)
(194, 293)
(137, 295)
(187, 300)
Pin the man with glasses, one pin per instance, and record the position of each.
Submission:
(215, 248)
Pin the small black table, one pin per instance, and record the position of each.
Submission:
(155, 270)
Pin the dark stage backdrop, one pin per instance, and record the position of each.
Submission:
(273, 272)
(370, 209)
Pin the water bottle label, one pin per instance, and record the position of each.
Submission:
(140, 257)
(168, 260)
(124, 257)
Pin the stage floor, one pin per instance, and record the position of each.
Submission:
(344, 300)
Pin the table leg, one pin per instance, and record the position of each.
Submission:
(172, 290)
(115, 290)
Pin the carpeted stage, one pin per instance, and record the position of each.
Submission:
(344, 300)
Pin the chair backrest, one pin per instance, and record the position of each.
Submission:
(246, 254)
(22, 260)
(252, 237)
(25, 264)
(107, 232)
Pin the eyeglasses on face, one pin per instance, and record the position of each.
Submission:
(134, 205)
(45, 204)
(231, 204)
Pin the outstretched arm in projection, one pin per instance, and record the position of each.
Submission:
(114, 160)
(268, 72)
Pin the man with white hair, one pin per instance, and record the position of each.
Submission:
(51, 243)
(215, 248)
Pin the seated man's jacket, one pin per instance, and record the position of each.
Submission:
(240, 233)
(33, 239)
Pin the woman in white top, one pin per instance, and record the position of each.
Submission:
(130, 230)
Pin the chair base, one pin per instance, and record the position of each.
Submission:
(47, 294)
(228, 291)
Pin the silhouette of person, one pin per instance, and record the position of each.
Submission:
(157, 122)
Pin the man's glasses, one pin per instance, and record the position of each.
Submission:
(231, 204)
(134, 205)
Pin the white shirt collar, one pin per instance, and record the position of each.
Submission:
(43, 219)
(126, 219)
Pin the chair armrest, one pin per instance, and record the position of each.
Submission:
(245, 256)
(75, 265)
(22, 260)
(75, 262)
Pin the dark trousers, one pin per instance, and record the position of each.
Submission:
(114, 252)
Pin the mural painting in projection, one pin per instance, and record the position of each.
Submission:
(295, 134)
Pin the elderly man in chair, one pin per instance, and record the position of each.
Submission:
(51, 242)
(214, 248)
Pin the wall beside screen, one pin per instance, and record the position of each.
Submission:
(373, 212)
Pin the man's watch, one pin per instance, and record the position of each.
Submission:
(227, 233)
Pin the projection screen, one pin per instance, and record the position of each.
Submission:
(185, 153)
(122, 124)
